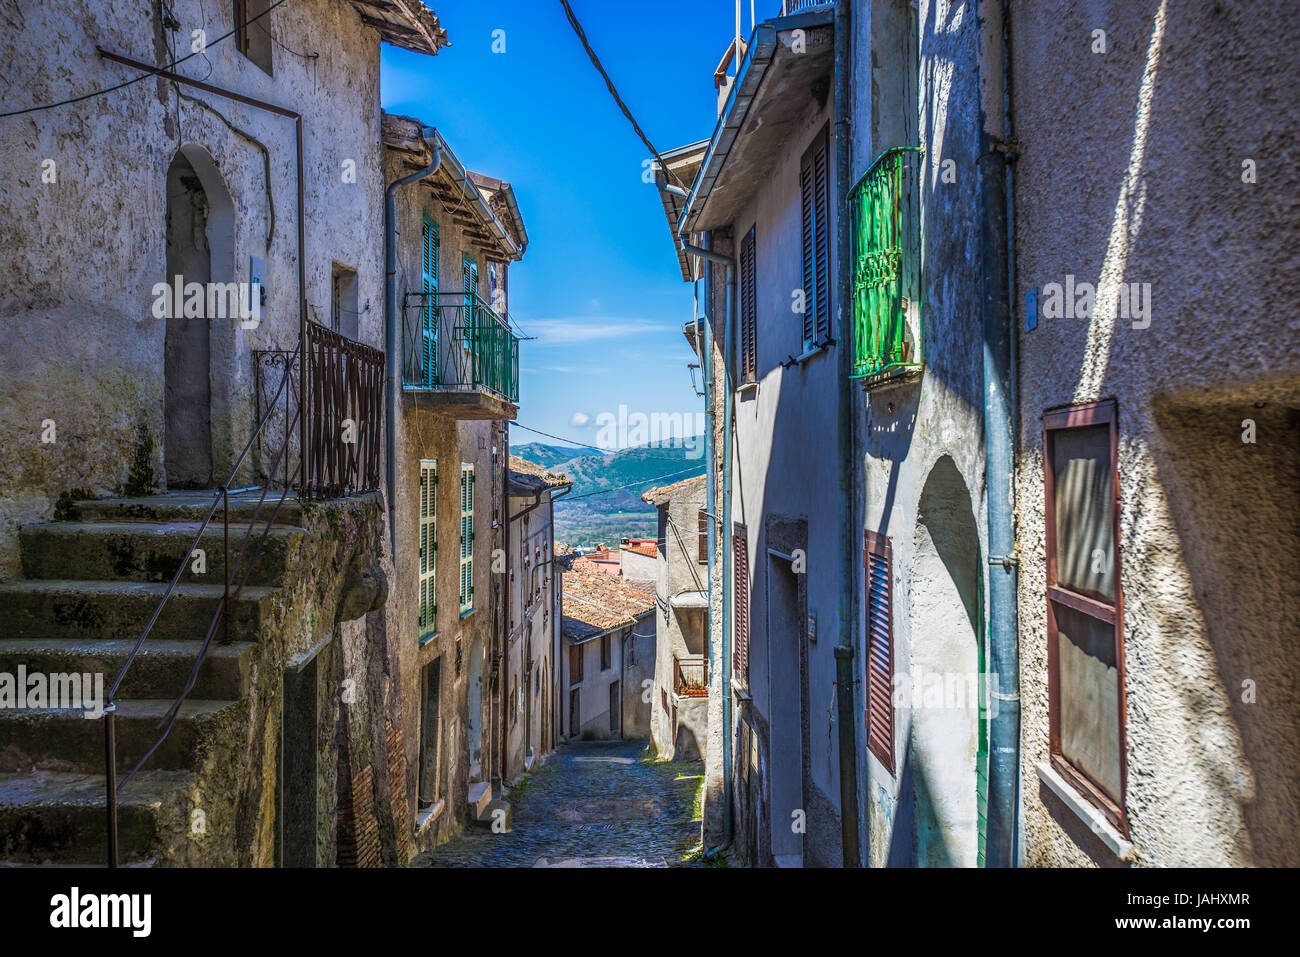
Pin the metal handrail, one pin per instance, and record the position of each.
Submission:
(222, 497)
(460, 344)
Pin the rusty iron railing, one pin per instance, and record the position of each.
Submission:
(345, 411)
(341, 422)
(691, 676)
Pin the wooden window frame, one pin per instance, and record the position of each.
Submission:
(740, 603)
(1076, 417)
(814, 234)
(879, 546)
(466, 538)
(244, 35)
(575, 657)
(427, 542)
(747, 309)
(704, 535)
(606, 654)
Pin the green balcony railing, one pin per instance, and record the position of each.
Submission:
(886, 265)
(454, 341)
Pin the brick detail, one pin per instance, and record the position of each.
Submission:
(397, 785)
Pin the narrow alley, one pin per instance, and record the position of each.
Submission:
(592, 804)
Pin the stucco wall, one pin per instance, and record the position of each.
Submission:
(533, 626)
(81, 255)
(1150, 190)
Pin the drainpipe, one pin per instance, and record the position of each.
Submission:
(995, 278)
(391, 339)
(716, 259)
(845, 650)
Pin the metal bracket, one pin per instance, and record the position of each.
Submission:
(1008, 562)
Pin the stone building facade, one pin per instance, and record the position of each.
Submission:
(679, 719)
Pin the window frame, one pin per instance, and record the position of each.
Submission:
(242, 16)
(606, 654)
(740, 604)
(466, 538)
(427, 580)
(1105, 412)
(814, 231)
(880, 547)
(747, 309)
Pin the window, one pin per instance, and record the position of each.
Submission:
(514, 701)
(704, 535)
(470, 268)
(575, 713)
(1085, 652)
(430, 738)
(748, 311)
(740, 603)
(814, 203)
(575, 664)
(253, 32)
(614, 710)
(466, 537)
(878, 563)
(345, 311)
(429, 286)
(428, 616)
(605, 659)
(886, 264)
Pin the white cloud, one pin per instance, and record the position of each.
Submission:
(579, 419)
(552, 332)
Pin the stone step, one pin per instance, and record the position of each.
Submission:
(52, 817)
(186, 506)
(117, 610)
(159, 670)
(480, 796)
(143, 552)
(65, 740)
(498, 816)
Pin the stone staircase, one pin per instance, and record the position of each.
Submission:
(90, 585)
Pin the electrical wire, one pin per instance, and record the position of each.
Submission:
(580, 445)
(142, 76)
(595, 61)
(605, 491)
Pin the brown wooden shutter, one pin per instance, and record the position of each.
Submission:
(748, 311)
(878, 563)
(575, 664)
(704, 535)
(809, 267)
(740, 620)
(821, 238)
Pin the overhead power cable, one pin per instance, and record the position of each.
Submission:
(595, 61)
(617, 488)
(593, 448)
(142, 76)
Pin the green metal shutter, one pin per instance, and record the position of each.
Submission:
(428, 547)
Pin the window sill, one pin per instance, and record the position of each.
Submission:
(747, 388)
(424, 819)
(467, 612)
(425, 639)
(803, 357)
(1106, 832)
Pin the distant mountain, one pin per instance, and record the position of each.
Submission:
(605, 504)
(545, 455)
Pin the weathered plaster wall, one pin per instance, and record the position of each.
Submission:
(533, 626)
(923, 434)
(423, 434)
(81, 255)
(679, 631)
(1148, 188)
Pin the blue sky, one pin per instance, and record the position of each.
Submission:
(599, 286)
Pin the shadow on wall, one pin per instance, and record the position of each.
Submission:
(947, 770)
(1236, 508)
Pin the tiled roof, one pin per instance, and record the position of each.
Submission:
(650, 551)
(595, 602)
(529, 473)
(408, 24)
(659, 496)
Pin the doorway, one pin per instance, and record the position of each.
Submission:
(299, 744)
(784, 655)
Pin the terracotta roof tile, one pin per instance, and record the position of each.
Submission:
(660, 495)
(595, 602)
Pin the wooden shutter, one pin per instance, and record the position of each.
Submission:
(822, 236)
(429, 317)
(575, 664)
(878, 563)
(740, 604)
(748, 311)
(466, 536)
(428, 617)
(704, 535)
(814, 203)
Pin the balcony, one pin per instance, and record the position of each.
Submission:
(459, 356)
(691, 676)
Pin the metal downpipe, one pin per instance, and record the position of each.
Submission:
(391, 339)
(1003, 665)
(845, 650)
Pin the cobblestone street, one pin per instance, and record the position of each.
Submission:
(592, 803)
